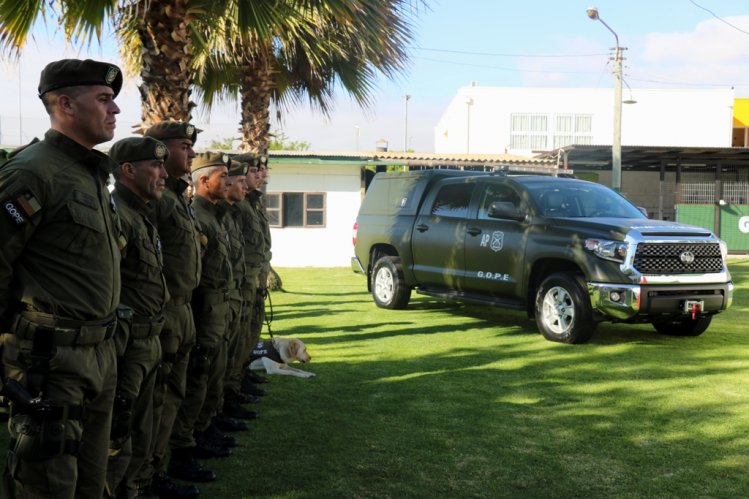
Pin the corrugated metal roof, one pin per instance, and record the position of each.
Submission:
(411, 158)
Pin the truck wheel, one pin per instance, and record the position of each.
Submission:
(684, 326)
(563, 311)
(388, 287)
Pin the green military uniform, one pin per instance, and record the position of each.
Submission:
(143, 297)
(257, 318)
(235, 337)
(181, 250)
(254, 257)
(211, 312)
(59, 288)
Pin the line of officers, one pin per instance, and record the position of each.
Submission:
(128, 319)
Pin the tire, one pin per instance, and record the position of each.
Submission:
(563, 310)
(684, 326)
(389, 290)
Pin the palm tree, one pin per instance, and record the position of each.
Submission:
(312, 51)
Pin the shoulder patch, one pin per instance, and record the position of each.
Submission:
(14, 212)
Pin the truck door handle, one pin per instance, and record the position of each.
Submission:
(422, 227)
(474, 231)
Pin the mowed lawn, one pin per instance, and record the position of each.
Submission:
(446, 400)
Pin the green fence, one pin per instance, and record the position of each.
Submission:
(734, 222)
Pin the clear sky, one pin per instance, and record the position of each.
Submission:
(539, 43)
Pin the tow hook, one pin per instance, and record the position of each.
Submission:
(693, 307)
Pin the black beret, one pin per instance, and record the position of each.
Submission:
(208, 159)
(75, 73)
(173, 130)
(237, 168)
(138, 149)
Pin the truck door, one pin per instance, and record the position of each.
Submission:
(438, 235)
(495, 247)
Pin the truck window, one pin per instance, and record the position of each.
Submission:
(496, 192)
(452, 201)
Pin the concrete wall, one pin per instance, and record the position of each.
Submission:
(317, 247)
(659, 117)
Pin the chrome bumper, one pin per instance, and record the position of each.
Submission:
(625, 301)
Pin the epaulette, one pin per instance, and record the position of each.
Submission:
(19, 149)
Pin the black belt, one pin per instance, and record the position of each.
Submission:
(37, 326)
(145, 327)
(54, 413)
(180, 300)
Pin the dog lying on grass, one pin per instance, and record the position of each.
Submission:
(274, 356)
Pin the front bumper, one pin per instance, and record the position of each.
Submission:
(627, 301)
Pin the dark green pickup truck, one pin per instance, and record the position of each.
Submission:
(572, 253)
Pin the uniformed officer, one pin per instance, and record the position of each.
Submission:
(210, 303)
(254, 253)
(237, 338)
(139, 182)
(257, 319)
(180, 247)
(60, 286)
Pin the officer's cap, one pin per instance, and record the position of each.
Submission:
(75, 73)
(208, 159)
(237, 168)
(138, 149)
(247, 159)
(167, 130)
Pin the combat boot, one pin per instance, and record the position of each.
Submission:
(225, 423)
(165, 488)
(236, 411)
(184, 466)
(256, 378)
(214, 435)
(208, 449)
(249, 388)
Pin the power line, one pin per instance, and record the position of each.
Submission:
(497, 54)
(716, 16)
(516, 70)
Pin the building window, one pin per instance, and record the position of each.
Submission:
(534, 132)
(295, 209)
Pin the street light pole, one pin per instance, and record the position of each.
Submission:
(469, 103)
(616, 146)
(406, 98)
(356, 137)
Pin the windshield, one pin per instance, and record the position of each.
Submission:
(580, 200)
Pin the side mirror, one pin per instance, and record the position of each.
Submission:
(505, 210)
(643, 211)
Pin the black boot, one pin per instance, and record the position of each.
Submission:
(184, 466)
(256, 378)
(249, 388)
(164, 487)
(214, 435)
(208, 449)
(236, 411)
(225, 423)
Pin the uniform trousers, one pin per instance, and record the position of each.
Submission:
(78, 375)
(205, 373)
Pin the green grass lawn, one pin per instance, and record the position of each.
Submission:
(446, 400)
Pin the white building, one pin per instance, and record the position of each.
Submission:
(497, 120)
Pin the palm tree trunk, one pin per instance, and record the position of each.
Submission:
(164, 31)
(257, 86)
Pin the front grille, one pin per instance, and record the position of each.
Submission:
(678, 258)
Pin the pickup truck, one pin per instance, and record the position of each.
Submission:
(571, 253)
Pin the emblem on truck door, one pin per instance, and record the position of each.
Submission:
(495, 241)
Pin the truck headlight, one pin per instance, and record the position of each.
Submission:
(608, 250)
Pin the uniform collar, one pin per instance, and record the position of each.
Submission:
(132, 199)
(92, 158)
(178, 185)
(199, 200)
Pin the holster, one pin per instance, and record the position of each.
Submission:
(200, 360)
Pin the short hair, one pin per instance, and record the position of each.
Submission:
(203, 172)
(50, 98)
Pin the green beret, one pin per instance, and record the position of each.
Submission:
(75, 73)
(138, 149)
(208, 159)
(173, 130)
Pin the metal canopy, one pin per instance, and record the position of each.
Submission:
(647, 158)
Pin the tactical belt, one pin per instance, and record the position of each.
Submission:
(145, 327)
(47, 329)
(180, 300)
(213, 296)
(54, 413)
